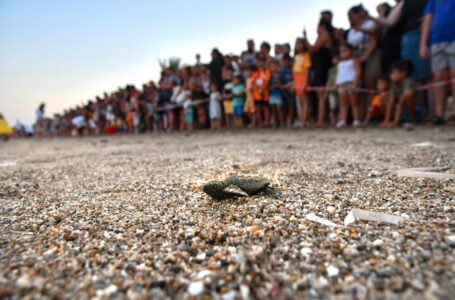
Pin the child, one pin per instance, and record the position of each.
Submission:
(261, 92)
(249, 107)
(378, 106)
(189, 110)
(348, 76)
(301, 70)
(401, 93)
(215, 107)
(276, 99)
(227, 95)
(238, 93)
(286, 80)
(331, 88)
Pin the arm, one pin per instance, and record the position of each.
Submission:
(393, 18)
(320, 42)
(371, 49)
(426, 28)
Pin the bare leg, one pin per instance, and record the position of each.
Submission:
(267, 115)
(355, 105)
(303, 108)
(408, 100)
(322, 100)
(344, 104)
(440, 93)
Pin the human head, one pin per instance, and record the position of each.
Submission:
(324, 25)
(345, 52)
(356, 15)
(278, 49)
(213, 87)
(265, 49)
(299, 46)
(250, 45)
(400, 70)
(384, 9)
(274, 66)
(327, 15)
(383, 83)
(287, 49)
(286, 61)
(238, 79)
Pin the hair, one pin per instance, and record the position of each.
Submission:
(304, 47)
(347, 45)
(230, 68)
(266, 45)
(253, 68)
(403, 66)
(239, 77)
(356, 9)
(384, 77)
(388, 8)
(287, 57)
(329, 12)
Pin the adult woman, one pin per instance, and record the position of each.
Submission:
(321, 58)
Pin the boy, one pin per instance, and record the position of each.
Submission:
(238, 93)
(276, 98)
(286, 79)
(438, 29)
(227, 95)
(401, 93)
(378, 106)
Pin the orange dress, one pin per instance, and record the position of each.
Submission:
(301, 69)
(261, 81)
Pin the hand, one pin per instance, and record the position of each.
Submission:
(424, 52)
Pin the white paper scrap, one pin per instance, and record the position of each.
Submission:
(425, 173)
(367, 215)
(312, 217)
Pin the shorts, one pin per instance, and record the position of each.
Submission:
(443, 56)
(261, 103)
(238, 110)
(410, 45)
(227, 105)
(345, 87)
(288, 99)
(372, 67)
(275, 101)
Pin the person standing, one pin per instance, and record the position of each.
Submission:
(438, 42)
(321, 58)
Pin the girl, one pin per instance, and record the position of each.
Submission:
(249, 108)
(301, 69)
(348, 76)
(215, 107)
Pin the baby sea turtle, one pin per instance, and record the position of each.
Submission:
(237, 186)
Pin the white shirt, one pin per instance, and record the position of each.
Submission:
(79, 121)
(359, 39)
(346, 72)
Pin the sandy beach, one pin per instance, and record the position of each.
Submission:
(124, 216)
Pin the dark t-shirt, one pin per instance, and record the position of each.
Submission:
(412, 14)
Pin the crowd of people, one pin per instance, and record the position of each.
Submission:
(397, 67)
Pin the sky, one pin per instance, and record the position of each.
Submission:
(65, 52)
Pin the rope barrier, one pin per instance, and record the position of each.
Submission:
(324, 89)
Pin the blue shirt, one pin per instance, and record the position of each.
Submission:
(443, 24)
(286, 75)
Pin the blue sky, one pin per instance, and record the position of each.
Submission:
(66, 52)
